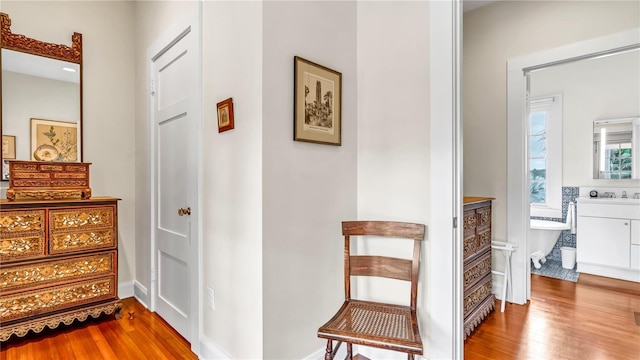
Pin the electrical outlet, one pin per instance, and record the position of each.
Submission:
(211, 298)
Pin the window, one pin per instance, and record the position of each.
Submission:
(545, 156)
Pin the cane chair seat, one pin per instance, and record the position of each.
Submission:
(371, 324)
(377, 324)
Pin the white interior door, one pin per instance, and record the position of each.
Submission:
(175, 119)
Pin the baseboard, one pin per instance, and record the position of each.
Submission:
(341, 354)
(209, 351)
(125, 290)
(140, 293)
(375, 353)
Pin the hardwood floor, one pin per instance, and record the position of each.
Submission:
(146, 336)
(591, 319)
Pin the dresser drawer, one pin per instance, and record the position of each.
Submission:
(81, 229)
(22, 234)
(476, 270)
(60, 297)
(47, 272)
(476, 294)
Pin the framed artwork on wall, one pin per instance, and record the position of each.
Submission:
(317, 103)
(53, 140)
(225, 115)
(8, 147)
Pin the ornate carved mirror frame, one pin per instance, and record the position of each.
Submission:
(21, 43)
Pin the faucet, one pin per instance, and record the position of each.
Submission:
(636, 196)
(624, 194)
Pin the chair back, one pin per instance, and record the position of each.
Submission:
(383, 266)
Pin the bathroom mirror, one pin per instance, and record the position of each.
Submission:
(41, 98)
(614, 141)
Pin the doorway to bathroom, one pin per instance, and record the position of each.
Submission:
(590, 78)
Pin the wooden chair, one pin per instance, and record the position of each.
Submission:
(386, 326)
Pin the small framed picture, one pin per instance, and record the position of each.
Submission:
(317, 103)
(8, 147)
(225, 115)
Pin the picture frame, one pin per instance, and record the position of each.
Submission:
(319, 120)
(8, 147)
(53, 140)
(225, 115)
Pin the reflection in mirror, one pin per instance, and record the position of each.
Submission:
(41, 117)
(613, 143)
(36, 87)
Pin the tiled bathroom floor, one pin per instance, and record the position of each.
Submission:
(554, 269)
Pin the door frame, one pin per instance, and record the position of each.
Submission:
(189, 22)
(518, 211)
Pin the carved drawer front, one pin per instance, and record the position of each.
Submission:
(483, 241)
(469, 248)
(484, 217)
(476, 294)
(476, 270)
(81, 229)
(42, 273)
(470, 222)
(35, 302)
(22, 234)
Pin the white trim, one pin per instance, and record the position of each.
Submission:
(191, 19)
(442, 334)
(341, 354)
(140, 293)
(517, 143)
(209, 351)
(125, 290)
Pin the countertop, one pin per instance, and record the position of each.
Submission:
(475, 199)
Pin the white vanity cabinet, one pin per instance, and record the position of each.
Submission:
(608, 238)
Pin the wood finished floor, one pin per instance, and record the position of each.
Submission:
(591, 319)
(146, 336)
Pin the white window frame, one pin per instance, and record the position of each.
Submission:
(552, 104)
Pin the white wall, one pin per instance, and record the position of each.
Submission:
(26, 96)
(595, 89)
(492, 35)
(308, 188)
(232, 194)
(394, 145)
(108, 75)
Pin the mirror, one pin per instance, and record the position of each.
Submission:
(613, 144)
(41, 98)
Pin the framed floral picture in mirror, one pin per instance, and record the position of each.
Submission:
(53, 140)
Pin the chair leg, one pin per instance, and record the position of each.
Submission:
(349, 352)
(410, 357)
(328, 354)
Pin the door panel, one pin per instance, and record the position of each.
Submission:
(173, 76)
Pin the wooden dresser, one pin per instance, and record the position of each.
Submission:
(58, 263)
(478, 297)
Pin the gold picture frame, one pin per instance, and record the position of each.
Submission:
(53, 140)
(8, 147)
(319, 120)
(225, 115)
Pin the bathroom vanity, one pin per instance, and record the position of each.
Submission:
(608, 233)
(479, 300)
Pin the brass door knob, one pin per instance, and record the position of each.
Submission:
(183, 211)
